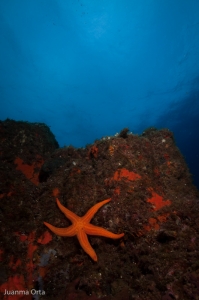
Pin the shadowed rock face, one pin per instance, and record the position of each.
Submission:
(153, 202)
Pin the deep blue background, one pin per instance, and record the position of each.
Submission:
(88, 68)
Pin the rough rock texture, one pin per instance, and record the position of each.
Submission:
(153, 202)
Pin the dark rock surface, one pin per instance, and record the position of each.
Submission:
(153, 201)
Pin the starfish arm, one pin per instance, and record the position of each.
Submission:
(95, 230)
(90, 213)
(69, 214)
(69, 231)
(84, 242)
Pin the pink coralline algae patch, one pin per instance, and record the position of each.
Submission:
(125, 174)
(29, 170)
(157, 201)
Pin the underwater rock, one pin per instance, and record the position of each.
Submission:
(153, 201)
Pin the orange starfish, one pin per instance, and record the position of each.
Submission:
(81, 227)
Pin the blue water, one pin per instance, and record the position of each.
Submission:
(88, 68)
